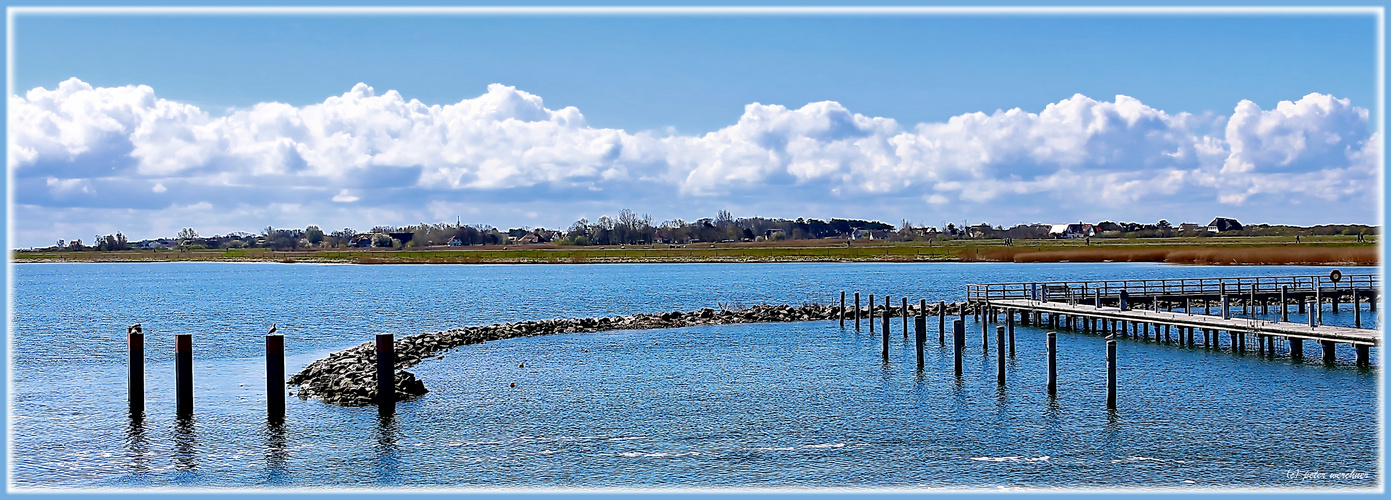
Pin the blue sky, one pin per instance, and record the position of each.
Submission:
(883, 117)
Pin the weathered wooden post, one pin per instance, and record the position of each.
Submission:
(386, 373)
(942, 322)
(183, 373)
(1125, 300)
(1312, 316)
(842, 308)
(1356, 311)
(870, 315)
(922, 330)
(1296, 347)
(958, 342)
(1364, 356)
(887, 316)
(984, 338)
(1318, 303)
(1000, 354)
(1226, 306)
(135, 380)
(1333, 297)
(1052, 363)
(1328, 350)
(1111, 374)
(1188, 305)
(275, 377)
(1284, 305)
(857, 311)
(1009, 324)
(905, 318)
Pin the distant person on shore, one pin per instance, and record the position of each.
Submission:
(1296, 239)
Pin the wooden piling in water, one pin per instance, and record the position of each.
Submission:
(1226, 307)
(135, 378)
(984, 338)
(386, 373)
(275, 377)
(958, 342)
(1328, 350)
(922, 330)
(1312, 316)
(842, 309)
(870, 314)
(1364, 355)
(183, 374)
(1111, 374)
(1000, 354)
(1284, 304)
(887, 316)
(1052, 363)
(942, 322)
(1356, 311)
(905, 318)
(1009, 325)
(857, 311)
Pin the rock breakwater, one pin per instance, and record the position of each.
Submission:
(349, 377)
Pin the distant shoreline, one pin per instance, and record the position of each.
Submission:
(1234, 251)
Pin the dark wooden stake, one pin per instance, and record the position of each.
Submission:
(183, 370)
(1111, 374)
(135, 385)
(386, 373)
(958, 341)
(1052, 363)
(275, 377)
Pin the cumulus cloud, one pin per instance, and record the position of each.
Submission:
(83, 146)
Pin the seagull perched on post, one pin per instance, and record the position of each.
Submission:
(133, 329)
(272, 329)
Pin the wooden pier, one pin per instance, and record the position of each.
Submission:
(1145, 308)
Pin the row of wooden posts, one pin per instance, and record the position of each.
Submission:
(1004, 341)
(275, 373)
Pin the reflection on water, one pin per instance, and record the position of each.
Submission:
(185, 443)
(137, 445)
(387, 451)
(276, 453)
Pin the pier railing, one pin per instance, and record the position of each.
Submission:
(1192, 287)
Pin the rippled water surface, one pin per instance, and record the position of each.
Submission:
(791, 405)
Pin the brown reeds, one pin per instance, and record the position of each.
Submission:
(1264, 255)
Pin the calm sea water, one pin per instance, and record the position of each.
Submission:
(769, 405)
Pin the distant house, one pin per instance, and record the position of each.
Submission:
(361, 241)
(1189, 227)
(773, 234)
(1223, 224)
(529, 239)
(1078, 230)
(456, 242)
(162, 243)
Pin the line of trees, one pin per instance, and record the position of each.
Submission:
(631, 228)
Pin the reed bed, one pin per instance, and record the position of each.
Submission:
(1246, 256)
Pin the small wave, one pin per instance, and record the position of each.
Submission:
(1044, 458)
(629, 438)
(789, 448)
(1145, 459)
(825, 445)
(660, 454)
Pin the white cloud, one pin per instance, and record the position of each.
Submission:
(80, 146)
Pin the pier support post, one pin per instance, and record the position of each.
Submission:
(887, 317)
(1356, 311)
(958, 342)
(984, 338)
(870, 314)
(1300, 304)
(1000, 354)
(1052, 363)
(1239, 342)
(1009, 325)
(905, 318)
(1125, 300)
(842, 309)
(1284, 304)
(857, 311)
(1328, 350)
(275, 377)
(1333, 297)
(1296, 347)
(1111, 374)
(921, 336)
(942, 322)
(1318, 303)
(183, 371)
(386, 373)
(1313, 316)
(1364, 356)
(1226, 307)
(1207, 338)
(135, 379)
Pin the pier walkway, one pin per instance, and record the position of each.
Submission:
(1134, 307)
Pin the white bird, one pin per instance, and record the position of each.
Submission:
(133, 329)
(272, 329)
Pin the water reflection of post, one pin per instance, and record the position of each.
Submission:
(185, 443)
(387, 451)
(276, 453)
(137, 445)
